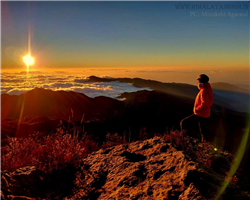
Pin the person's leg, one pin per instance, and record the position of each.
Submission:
(183, 121)
(201, 133)
(203, 127)
(190, 125)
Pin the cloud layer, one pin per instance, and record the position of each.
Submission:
(18, 83)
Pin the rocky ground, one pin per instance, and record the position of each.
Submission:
(149, 169)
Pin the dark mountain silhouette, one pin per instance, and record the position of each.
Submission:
(41, 109)
(55, 105)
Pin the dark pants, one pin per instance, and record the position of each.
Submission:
(195, 126)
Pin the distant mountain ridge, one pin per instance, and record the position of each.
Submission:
(225, 95)
(170, 87)
(178, 89)
(229, 87)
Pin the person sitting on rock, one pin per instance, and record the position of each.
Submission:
(203, 102)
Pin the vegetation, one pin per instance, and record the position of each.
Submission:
(60, 154)
(55, 151)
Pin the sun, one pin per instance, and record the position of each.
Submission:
(29, 60)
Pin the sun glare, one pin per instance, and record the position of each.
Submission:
(29, 60)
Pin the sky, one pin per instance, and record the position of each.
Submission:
(152, 38)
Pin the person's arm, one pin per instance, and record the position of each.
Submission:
(204, 102)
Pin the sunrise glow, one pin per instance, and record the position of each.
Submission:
(28, 60)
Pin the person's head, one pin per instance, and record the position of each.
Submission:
(202, 78)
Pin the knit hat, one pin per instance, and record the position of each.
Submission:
(203, 78)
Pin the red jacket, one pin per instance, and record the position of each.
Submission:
(203, 101)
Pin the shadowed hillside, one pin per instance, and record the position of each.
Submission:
(55, 105)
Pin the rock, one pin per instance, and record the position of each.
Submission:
(1, 195)
(150, 170)
(27, 176)
(20, 183)
(6, 174)
(191, 193)
(20, 198)
(5, 179)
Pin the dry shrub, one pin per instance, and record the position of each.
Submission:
(200, 152)
(47, 153)
(143, 134)
(113, 140)
(52, 152)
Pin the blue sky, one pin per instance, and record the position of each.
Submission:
(124, 34)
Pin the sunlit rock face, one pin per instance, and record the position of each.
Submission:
(142, 170)
(151, 169)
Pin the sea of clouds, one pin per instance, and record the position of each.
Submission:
(21, 82)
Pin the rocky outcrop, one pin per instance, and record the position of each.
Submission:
(151, 169)
(148, 170)
(21, 183)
